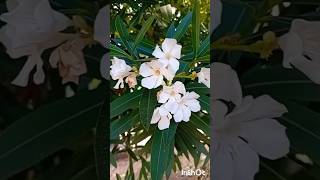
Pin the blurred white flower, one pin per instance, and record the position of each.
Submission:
(204, 76)
(169, 55)
(182, 108)
(301, 47)
(69, 59)
(243, 128)
(154, 73)
(119, 70)
(161, 116)
(217, 14)
(101, 35)
(168, 9)
(275, 10)
(131, 80)
(32, 26)
(171, 93)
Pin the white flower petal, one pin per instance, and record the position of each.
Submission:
(155, 116)
(292, 47)
(158, 53)
(216, 12)
(149, 82)
(104, 67)
(145, 70)
(259, 108)
(101, 26)
(168, 44)
(267, 137)
(178, 115)
(173, 65)
(186, 113)
(226, 84)
(310, 68)
(179, 87)
(246, 162)
(164, 123)
(176, 51)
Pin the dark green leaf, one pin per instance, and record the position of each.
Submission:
(122, 125)
(160, 150)
(143, 31)
(183, 26)
(45, 131)
(124, 103)
(148, 103)
(196, 26)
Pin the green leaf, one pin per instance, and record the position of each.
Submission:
(124, 34)
(160, 150)
(47, 130)
(118, 52)
(122, 125)
(148, 103)
(204, 102)
(143, 31)
(205, 47)
(124, 103)
(279, 82)
(197, 87)
(183, 26)
(196, 26)
(199, 122)
(171, 31)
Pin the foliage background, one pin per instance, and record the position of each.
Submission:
(44, 135)
(260, 76)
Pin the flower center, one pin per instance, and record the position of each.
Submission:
(157, 72)
(168, 55)
(172, 93)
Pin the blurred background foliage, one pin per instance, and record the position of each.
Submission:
(43, 134)
(260, 76)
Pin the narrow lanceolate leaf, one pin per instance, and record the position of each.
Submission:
(196, 26)
(122, 125)
(205, 47)
(124, 34)
(115, 51)
(143, 31)
(148, 103)
(43, 132)
(124, 103)
(183, 26)
(171, 31)
(162, 142)
(204, 102)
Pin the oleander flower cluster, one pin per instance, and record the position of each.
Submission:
(175, 103)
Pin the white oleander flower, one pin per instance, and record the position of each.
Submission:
(101, 35)
(204, 76)
(169, 55)
(244, 127)
(217, 14)
(168, 9)
(182, 108)
(131, 80)
(32, 27)
(154, 72)
(171, 93)
(119, 70)
(70, 61)
(161, 116)
(301, 47)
